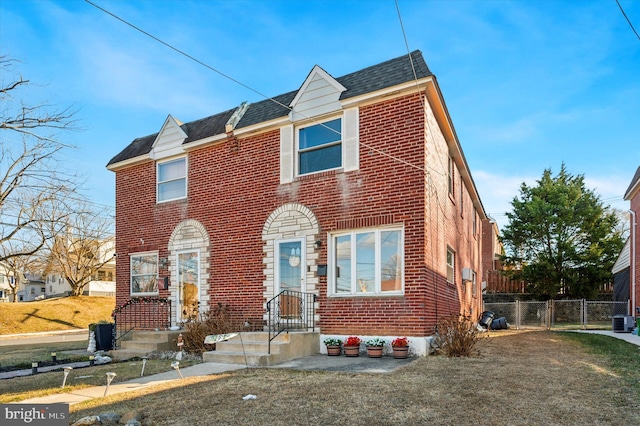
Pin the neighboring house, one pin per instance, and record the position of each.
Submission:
(5, 288)
(494, 279)
(632, 194)
(32, 288)
(621, 273)
(103, 280)
(354, 189)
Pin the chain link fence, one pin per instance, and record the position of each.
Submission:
(558, 314)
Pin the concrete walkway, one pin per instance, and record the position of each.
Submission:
(627, 337)
(202, 369)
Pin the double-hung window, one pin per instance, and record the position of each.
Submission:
(367, 262)
(172, 179)
(320, 147)
(451, 264)
(144, 273)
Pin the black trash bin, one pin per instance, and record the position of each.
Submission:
(104, 336)
(485, 319)
(499, 324)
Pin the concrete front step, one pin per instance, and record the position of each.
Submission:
(139, 343)
(252, 348)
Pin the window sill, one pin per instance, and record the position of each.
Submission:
(316, 175)
(367, 295)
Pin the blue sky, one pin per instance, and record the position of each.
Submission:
(528, 84)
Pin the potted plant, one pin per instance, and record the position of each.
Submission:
(352, 346)
(334, 346)
(375, 347)
(400, 347)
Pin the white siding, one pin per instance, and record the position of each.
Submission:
(169, 140)
(320, 94)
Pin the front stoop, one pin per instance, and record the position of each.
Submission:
(251, 348)
(139, 343)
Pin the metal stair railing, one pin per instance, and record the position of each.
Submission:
(290, 310)
(141, 313)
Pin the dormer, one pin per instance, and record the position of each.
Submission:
(169, 141)
(322, 135)
(319, 95)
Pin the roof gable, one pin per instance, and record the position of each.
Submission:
(169, 140)
(319, 94)
(371, 79)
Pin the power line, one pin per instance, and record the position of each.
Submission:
(249, 87)
(627, 18)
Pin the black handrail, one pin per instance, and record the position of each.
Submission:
(290, 310)
(141, 313)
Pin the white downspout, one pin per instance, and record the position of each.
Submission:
(634, 237)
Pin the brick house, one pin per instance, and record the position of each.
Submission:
(352, 189)
(632, 194)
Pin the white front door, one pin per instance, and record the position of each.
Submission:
(290, 275)
(188, 303)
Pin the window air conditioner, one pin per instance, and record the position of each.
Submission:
(466, 274)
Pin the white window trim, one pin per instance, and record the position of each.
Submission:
(378, 259)
(453, 265)
(186, 178)
(144, 253)
(297, 149)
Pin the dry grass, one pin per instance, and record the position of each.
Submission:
(21, 356)
(42, 384)
(521, 378)
(64, 313)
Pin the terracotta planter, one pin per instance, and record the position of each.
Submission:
(374, 351)
(401, 352)
(352, 350)
(334, 350)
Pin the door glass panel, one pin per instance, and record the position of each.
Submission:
(188, 279)
(290, 264)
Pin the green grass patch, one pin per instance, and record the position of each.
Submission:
(21, 356)
(618, 355)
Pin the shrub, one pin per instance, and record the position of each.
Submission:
(456, 336)
(215, 321)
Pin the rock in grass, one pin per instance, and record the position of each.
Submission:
(88, 421)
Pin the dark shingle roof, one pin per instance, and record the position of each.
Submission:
(386, 74)
(195, 130)
(634, 181)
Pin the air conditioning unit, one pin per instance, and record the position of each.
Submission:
(466, 274)
(623, 324)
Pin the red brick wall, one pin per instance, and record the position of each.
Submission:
(234, 186)
(635, 262)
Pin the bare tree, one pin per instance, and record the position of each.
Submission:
(85, 247)
(32, 179)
